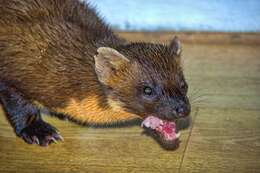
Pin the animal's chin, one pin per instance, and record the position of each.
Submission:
(164, 131)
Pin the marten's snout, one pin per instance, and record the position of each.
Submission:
(182, 109)
(174, 109)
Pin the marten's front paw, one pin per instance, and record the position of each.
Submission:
(41, 133)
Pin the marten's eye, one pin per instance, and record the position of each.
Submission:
(184, 86)
(148, 91)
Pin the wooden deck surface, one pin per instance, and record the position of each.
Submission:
(224, 136)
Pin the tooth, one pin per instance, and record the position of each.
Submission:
(178, 134)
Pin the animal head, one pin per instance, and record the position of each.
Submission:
(144, 79)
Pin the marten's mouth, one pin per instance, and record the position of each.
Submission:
(165, 132)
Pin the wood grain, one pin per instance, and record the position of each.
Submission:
(87, 150)
(225, 91)
(224, 140)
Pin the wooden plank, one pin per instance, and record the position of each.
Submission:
(221, 92)
(225, 76)
(226, 101)
(205, 85)
(224, 136)
(224, 140)
(88, 150)
(232, 61)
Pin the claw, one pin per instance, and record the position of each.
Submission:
(54, 140)
(40, 133)
(36, 140)
(58, 137)
(61, 138)
(27, 139)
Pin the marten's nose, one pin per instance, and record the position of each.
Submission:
(182, 109)
(174, 109)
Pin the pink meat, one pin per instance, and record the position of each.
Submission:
(167, 129)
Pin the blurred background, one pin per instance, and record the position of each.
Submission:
(184, 15)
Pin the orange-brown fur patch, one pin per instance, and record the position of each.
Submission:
(88, 111)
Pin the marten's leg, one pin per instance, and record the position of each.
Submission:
(25, 118)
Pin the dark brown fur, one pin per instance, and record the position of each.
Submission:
(53, 45)
(47, 50)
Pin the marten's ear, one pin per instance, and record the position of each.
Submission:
(107, 61)
(175, 46)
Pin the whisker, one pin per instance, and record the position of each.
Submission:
(195, 91)
(199, 101)
(195, 95)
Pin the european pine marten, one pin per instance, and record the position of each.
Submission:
(59, 57)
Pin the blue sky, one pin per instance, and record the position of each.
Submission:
(181, 15)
